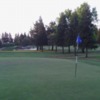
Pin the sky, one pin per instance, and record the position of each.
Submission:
(18, 16)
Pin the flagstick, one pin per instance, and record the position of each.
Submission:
(76, 61)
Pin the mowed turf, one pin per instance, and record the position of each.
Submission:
(31, 78)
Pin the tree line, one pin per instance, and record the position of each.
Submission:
(63, 32)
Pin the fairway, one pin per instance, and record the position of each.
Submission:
(27, 78)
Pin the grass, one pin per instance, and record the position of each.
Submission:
(25, 54)
(37, 76)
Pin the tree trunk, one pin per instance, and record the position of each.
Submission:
(41, 48)
(63, 49)
(52, 47)
(75, 50)
(48, 47)
(56, 49)
(86, 52)
(37, 48)
(83, 51)
(68, 49)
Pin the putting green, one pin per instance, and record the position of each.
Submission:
(28, 78)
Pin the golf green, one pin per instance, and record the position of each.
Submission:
(27, 78)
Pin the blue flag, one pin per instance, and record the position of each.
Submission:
(78, 40)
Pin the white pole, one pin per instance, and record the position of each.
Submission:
(76, 60)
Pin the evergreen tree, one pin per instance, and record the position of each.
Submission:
(74, 29)
(86, 19)
(61, 31)
(40, 34)
(51, 31)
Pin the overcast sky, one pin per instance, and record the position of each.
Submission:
(19, 15)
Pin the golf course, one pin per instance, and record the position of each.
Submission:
(48, 76)
(49, 50)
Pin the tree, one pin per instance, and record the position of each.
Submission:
(68, 34)
(98, 36)
(51, 31)
(40, 34)
(22, 39)
(17, 39)
(0, 43)
(25, 40)
(74, 28)
(61, 31)
(32, 34)
(86, 26)
(6, 38)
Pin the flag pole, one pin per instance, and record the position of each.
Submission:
(78, 41)
(76, 60)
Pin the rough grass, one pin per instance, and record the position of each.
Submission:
(31, 76)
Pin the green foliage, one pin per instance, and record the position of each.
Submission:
(74, 27)
(40, 36)
(0, 44)
(6, 38)
(22, 40)
(63, 35)
(98, 36)
(86, 26)
(51, 34)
